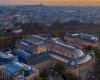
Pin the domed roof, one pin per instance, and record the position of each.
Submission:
(72, 63)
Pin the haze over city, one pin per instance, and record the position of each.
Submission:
(14, 2)
(49, 39)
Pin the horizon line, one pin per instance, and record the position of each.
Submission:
(69, 4)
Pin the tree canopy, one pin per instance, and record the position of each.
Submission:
(59, 68)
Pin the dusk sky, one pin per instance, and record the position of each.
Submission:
(49, 1)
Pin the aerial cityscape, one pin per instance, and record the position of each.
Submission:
(49, 40)
(9, 15)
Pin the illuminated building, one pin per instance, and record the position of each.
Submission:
(18, 71)
(82, 39)
(48, 52)
(6, 58)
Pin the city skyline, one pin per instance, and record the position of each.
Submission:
(15, 2)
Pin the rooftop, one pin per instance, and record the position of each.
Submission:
(14, 67)
(84, 36)
(33, 39)
(6, 57)
(50, 55)
(23, 54)
(79, 56)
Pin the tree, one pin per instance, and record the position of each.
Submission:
(40, 78)
(44, 73)
(96, 50)
(59, 68)
(70, 76)
(37, 78)
(44, 78)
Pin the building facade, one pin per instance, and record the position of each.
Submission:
(18, 71)
(48, 52)
(82, 39)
